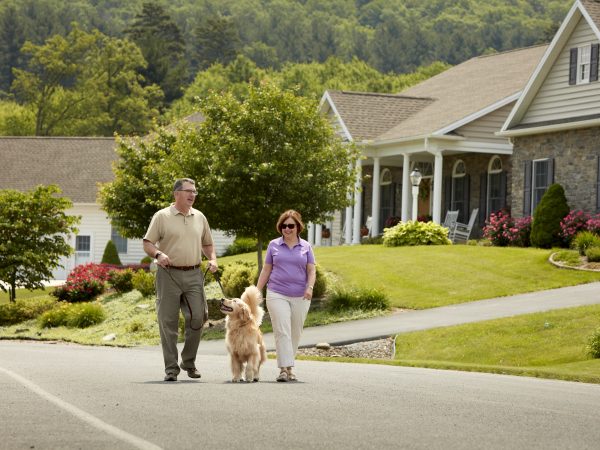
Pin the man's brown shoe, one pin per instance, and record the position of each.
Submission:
(192, 373)
(170, 377)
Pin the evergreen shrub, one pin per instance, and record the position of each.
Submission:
(121, 280)
(552, 209)
(237, 277)
(24, 309)
(111, 255)
(243, 245)
(593, 254)
(80, 315)
(320, 286)
(415, 233)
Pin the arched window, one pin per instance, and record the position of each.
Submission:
(385, 179)
(460, 190)
(496, 186)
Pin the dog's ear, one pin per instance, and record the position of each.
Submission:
(244, 312)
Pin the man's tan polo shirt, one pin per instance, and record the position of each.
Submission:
(180, 237)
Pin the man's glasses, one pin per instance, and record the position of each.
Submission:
(189, 191)
(291, 226)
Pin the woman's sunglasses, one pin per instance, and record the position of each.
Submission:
(291, 226)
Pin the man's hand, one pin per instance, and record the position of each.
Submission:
(163, 260)
(212, 265)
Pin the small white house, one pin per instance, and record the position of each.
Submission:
(77, 165)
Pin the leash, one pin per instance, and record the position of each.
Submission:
(184, 297)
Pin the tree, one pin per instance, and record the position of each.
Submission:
(86, 84)
(252, 159)
(33, 236)
(552, 208)
(163, 47)
(11, 40)
(217, 40)
(255, 158)
(111, 255)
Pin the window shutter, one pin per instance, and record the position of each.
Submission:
(483, 213)
(598, 187)
(447, 193)
(573, 66)
(550, 171)
(527, 188)
(594, 62)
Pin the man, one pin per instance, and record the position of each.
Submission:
(177, 237)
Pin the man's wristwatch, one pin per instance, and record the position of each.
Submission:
(157, 255)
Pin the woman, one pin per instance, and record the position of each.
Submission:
(290, 272)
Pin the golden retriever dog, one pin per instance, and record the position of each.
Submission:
(243, 337)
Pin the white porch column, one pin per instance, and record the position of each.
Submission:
(311, 233)
(318, 236)
(357, 205)
(348, 218)
(437, 187)
(406, 189)
(375, 198)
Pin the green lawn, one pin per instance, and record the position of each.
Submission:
(430, 276)
(548, 345)
(24, 293)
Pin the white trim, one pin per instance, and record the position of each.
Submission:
(495, 171)
(455, 165)
(385, 171)
(550, 128)
(421, 137)
(477, 115)
(545, 65)
(327, 98)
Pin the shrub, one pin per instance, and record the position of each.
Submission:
(121, 280)
(415, 233)
(593, 225)
(144, 282)
(584, 240)
(146, 261)
(364, 299)
(392, 221)
(85, 315)
(372, 240)
(243, 245)
(552, 209)
(573, 223)
(80, 315)
(79, 290)
(497, 228)
(56, 317)
(25, 309)
(237, 277)
(593, 254)
(111, 255)
(320, 286)
(593, 346)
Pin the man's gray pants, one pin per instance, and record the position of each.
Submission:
(170, 285)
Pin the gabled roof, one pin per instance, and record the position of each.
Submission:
(466, 92)
(590, 11)
(74, 164)
(364, 115)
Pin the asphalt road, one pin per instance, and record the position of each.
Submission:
(58, 396)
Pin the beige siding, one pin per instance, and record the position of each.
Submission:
(556, 99)
(483, 129)
(336, 124)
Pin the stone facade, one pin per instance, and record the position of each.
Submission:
(575, 154)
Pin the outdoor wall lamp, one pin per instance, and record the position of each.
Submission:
(415, 179)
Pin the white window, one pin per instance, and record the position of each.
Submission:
(119, 241)
(83, 249)
(495, 194)
(583, 64)
(540, 181)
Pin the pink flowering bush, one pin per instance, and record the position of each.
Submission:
(84, 283)
(593, 224)
(502, 230)
(573, 223)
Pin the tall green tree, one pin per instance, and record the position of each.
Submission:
(217, 41)
(11, 40)
(33, 236)
(163, 47)
(255, 158)
(86, 84)
(252, 159)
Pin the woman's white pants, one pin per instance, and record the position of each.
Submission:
(287, 317)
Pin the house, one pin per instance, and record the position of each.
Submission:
(77, 165)
(447, 127)
(555, 124)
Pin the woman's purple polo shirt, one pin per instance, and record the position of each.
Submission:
(289, 275)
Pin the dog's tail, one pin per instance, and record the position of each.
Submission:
(253, 298)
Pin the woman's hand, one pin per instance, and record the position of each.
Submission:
(308, 294)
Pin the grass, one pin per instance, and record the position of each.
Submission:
(24, 293)
(547, 345)
(430, 276)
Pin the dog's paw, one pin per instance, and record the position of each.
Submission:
(255, 379)
(236, 380)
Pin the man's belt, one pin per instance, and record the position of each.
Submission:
(185, 267)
